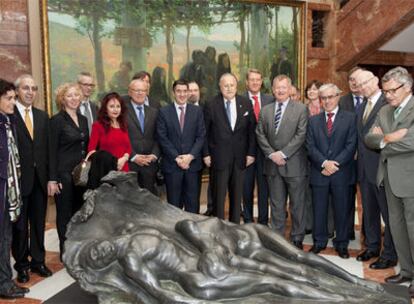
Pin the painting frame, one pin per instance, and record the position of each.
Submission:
(300, 43)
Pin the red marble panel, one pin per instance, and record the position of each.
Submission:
(14, 61)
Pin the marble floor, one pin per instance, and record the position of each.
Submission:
(42, 289)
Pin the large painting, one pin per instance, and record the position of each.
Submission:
(171, 39)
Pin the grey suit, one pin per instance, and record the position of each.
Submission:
(395, 171)
(290, 178)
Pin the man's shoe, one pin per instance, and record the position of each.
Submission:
(298, 244)
(208, 213)
(23, 276)
(316, 249)
(351, 236)
(343, 253)
(41, 270)
(22, 289)
(397, 279)
(382, 263)
(411, 290)
(12, 293)
(367, 255)
(308, 231)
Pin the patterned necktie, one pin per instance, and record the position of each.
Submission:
(329, 123)
(367, 111)
(141, 117)
(87, 113)
(397, 112)
(28, 122)
(256, 107)
(182, 114)
(358, 103)
(278, 115)
(228, 111)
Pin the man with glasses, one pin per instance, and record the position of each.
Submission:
(393, 133)
(352, 102)
(32, 127)
(141, 129)
(87, 108)
(331, 141)
(374, 202)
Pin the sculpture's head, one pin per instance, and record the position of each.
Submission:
(100, 254)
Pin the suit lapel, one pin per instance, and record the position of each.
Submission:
(378, 105)
(36, 126)
(21, 121)
(336, 122)
(133, 116)
(404, 113)
(322, 121)
(174, 117)
(240, 113)
(221, 109)
(286, 115)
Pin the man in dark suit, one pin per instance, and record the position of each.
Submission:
(352, 102)
(254, 173)
(32, 140)
(141, 129)
(146, 77)
(181, 134)
(87, 107)
(393, 133)
(231, 146)
(331, 141)
(281, 134)
(374, 202)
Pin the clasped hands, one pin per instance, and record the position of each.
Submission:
(330, 167)
(183, 161)
(278, 158)
(144, 159)
(390, 137)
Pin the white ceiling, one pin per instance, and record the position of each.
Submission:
(403, 42)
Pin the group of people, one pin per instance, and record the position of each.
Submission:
(309, 154)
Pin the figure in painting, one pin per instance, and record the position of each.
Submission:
(120, 80)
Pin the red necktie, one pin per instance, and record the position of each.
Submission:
(329, 123)
(256, 107)
(181, 118)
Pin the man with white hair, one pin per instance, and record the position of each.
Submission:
(331, 140)
(393, 133)
(374, 202)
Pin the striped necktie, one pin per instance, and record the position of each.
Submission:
(278, 115)
(329, 123)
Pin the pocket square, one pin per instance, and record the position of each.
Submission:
(245, 114)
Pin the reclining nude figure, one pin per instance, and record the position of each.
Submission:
(160, 255)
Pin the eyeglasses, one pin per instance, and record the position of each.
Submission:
(91, 85)
(392, 91)
(329, 97)
(27, 88)
(138, 91)
(361, 84)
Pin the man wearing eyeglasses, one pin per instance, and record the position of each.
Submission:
(141, 129)
(87, 108)
(393, 133)
(331, 141)
(32, 140)
(374, 202)
(352, 102)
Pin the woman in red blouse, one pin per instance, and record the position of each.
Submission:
(110, 132)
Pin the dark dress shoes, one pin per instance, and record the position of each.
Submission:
(367, 255)
(41, 270)
(397, 279)
(343, 253)
(23, 276)
(208, 213)
(13, 293)
(21, 289)
(316, 249)
(298, 244)
(382, 263)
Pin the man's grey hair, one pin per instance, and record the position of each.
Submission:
(20, 78)
(400, 75)
(81, 74)
(228, 74)
(329, 86)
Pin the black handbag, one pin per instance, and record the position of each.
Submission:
(80, 173)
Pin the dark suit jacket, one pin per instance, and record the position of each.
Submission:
(142, 143)
(340, 147)
(33, 153)
(368, 159)
(152, 103)
(225, 145)
(94, 110)
(346, 103)
(265, 99)
(68, 143)
(173, 142)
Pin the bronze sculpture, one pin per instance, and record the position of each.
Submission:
(126, 246)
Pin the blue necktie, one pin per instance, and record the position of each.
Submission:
(358, 103)
(278, 114)
(228, 111)
(141, 117)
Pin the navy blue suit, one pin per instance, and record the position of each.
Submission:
(340, 146)
(181, 184)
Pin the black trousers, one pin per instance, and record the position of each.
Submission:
(68, 202)
(231, 179)
(32, 221)
(5, 243)
(146, 177)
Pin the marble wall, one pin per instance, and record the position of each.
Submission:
(14, 39)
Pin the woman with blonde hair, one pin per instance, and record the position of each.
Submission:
(69, 137)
